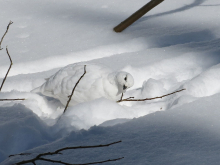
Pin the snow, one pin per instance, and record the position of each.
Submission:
(175, 46)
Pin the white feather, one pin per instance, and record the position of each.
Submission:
(99, 81)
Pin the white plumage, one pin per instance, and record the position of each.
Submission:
(99, 81)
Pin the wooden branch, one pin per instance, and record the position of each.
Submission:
(8, 69)
(138, 14)
(160, 97)
(5, 33)
(40, 156)
(74, 89)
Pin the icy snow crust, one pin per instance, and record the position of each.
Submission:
(174, 46)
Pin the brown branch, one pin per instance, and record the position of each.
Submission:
(74, 89)
(5, 33)
(121, 97)
(138, 14)
(160, 97)
(39, 157)
(8, 69)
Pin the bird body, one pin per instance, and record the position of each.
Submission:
(99, 81)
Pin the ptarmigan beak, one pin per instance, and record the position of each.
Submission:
(124, 87)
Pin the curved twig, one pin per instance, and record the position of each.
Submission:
(160, 97)
(40, 156)
(74, 89)
(5, 33)
(61, 162)
(8, 69)
(19, 154)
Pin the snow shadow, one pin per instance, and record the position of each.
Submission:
(184, 8)
(21, 130)
(216, 5)
(182, 38)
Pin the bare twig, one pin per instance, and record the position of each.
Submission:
(20, 154)
(121, 96)
(160, 97)
(11, 99)
(55, 161)
(74, 89)
(5, 33)
(40, 156)
(81, 147)
(8, 69)
(11, 63)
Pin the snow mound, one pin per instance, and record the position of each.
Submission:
(21, 130)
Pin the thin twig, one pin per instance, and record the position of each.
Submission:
(11, 99)
(61, 162)
(39, 157)
(5, 33)
(109, 160)
(74, 89)
(81, 147)
(8, 69)
(20, 154)
(160, 97)
(121, 96)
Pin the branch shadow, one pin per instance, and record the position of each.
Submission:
(210, 5)
(184, 8)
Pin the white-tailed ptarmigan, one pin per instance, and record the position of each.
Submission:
(99, 81)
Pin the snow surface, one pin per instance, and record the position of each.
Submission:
(174, 46)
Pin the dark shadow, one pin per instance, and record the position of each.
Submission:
(186, 7)
(170, 40)
(210, 5)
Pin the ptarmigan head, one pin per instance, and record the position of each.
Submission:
(124, 81)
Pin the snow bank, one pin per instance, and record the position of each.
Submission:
(182, 135)
(205, 84)
(21, 130)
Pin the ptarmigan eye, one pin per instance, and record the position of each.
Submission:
(126, 78)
